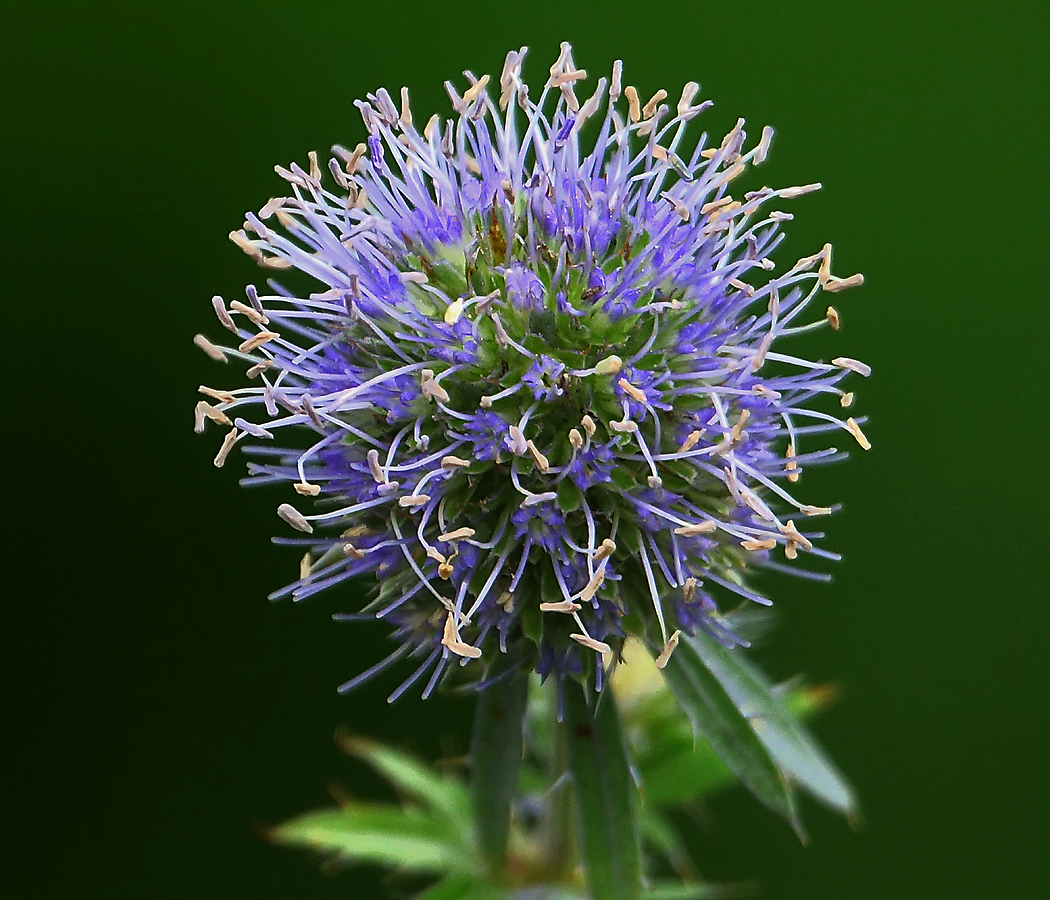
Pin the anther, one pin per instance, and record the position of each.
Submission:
(453, 311)
(352, 551)
(714, 205)
(760, 390)
(294, 518)
(250, 312)
(222, 314)
(808, 510)
(304, 567)
(606, 549)
(445, 570)
(689, 589)
(221, 396)
(690, 441)
(562, 606)
(699, 528)
(257, 341)
(459, 534)
(435, 555)
(792, 192)
(767, 544)
(627, 426)
(306, 489)
(260, 367)
(575, 438)
(518, 445)
(634, 108)
(763, 349)
(844, 362)
(311, 411)
(631, 390)
(588, 426)
(378, 474)
(665, 654)
(762, 150)
(654, 101)
(542, 463)
(587, 641)
(834, 285)
(450, 639)
(205, 410)
(227, 446)
(608, 366)
(533, 499)
(790, 465)
(655, 482)
(834, 320)
(413, 501)
(209, 348)
(253, 429)
(430, 388)
(846, 399)
(854, 429)
(737, 432)
(454, 462)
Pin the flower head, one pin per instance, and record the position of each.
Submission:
(539, 380)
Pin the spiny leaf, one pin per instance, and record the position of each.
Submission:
(716, 716)
(382, 835)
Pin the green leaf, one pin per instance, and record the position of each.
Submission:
(443, 795)
(382, 835)
(795, 751)
(496, 748)
(715, 715)
(461, 887)
(672, 891)
(605, 795)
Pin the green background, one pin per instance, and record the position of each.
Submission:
(160, 710)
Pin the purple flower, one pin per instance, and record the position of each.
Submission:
(540, 380)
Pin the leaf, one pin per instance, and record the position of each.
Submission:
(382, 835)
(671, 891)
(444, 796)
(715, 715)
(790, 744)
(461, 887)
(605, 795)
(496, 748)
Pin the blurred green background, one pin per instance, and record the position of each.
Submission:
(160, 709)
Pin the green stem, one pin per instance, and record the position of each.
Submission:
(559, 838)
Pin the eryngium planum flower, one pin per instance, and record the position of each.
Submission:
(538, 389)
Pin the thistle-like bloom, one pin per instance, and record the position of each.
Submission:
(539, 381)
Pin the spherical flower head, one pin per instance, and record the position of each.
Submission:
(539, 378)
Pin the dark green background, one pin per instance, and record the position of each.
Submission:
(159, 708)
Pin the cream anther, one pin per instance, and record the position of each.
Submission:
(352, 551)
(834, 320)
(222, 315)
(227, 446)
(689, 589)
(474, 91)
(413, 501)
(608, 366)
(654, 101)
(737, 432)
(453, 311)
(253, 343)
(844, 362)
(460, 534)
(260, 367)
(575, 438)
(533, 499)
(762, 150)
(834, 285)
(790, 466)
(378, 474)
(249, 312)
(430, 388)
(854, 429)
(485, 402)
(606, 549)
(699, 528)
(587, 641)
(655, 482)
(221, 396)
(306, 489)
(562, 606)
(846, 399)
(792, 192)
(294, 518)
(454, 462)
(627, 426)
(760, 390)
(209, 348)
(634, 107)
(450, 639)
(518, 445)
(691, 441)
(588, 426)
(204, 410)
(767, 544)
(665, 654)
(631, 390)
(808, 510)
(435, 555)
(790, 531)
(542, 463)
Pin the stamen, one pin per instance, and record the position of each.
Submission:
(690, 441)
(458, 535)
(222, 315)
(606, 549)
(294, 518)
(834, 320)
(665, 654)
(767, 544)
(834, 285)
(454, 462)
(227, 446)
(209, 348)
(257, 341)
(854, 429)
(204, 410)
(699, 528)
(413, 501)
(562, 606)
(587, 641)
(307, 489)
(844, 362)
(791, 466)
(846, 399)
(533, 499)
(542, 462)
